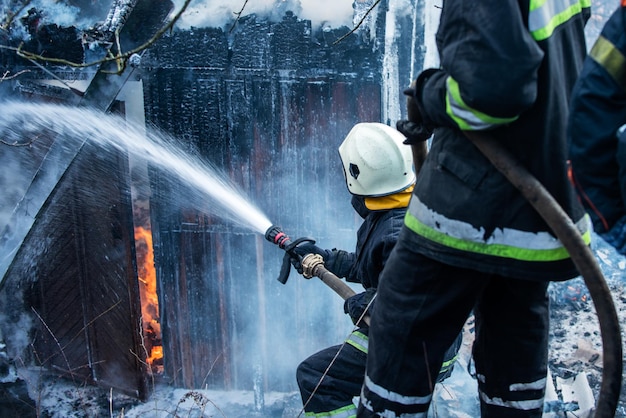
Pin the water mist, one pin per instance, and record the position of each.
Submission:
(224, 198)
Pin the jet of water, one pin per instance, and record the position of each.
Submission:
(228, 202)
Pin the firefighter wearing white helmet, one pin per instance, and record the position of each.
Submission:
(379, 175)
(375, 160)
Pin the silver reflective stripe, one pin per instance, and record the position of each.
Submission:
(537, 385)
(518, 387)
(468, 232)
(546, 15)
(358, 340)
(504, 242)
(466, 117)
(526, 405)
(389, 414)
(395, 397)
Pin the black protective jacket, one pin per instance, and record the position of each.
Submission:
(328, 391)
(598, 109)
(375, 239)
(507, 69)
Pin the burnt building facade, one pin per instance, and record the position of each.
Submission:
(267, 104)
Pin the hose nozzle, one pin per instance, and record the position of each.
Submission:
(275, 235)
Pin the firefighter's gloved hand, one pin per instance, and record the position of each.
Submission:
(308, 248)
(412, 107)
(339, 262)
(414, 132)
(303, 249)
(355, 305)
(416, 128)
(297, 264)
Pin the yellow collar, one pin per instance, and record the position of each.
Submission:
(392, 201)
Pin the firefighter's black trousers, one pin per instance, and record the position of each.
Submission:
(328, 389)
(422, 305)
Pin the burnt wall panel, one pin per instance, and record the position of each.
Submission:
(290, 43)
(77, 267)
(251, 45)
(210, 127)
(271, 118)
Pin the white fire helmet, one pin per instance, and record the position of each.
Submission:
(375, 161)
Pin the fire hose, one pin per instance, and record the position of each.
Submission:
(312, 264)
(583, 258)
(568, 234)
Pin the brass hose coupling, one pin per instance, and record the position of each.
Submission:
(310, 263)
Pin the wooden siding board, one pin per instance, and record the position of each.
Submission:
(281, 147)
(84, 280)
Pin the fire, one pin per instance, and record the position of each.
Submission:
(149, 299)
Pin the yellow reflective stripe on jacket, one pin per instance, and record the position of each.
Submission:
(547, 15)
(448, 364)
(358, 340)
(544, 17)
(467, 118)
(506, 243)
(606, 54)
(348, 411)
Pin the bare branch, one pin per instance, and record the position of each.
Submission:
(358, 24)
(211, 369)
(238, 14)
(19, 144)
(61, 350)
(6, 75)
(199, 399)
(121, 58)
(85, 326)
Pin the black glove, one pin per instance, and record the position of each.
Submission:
(308, 248)
(339, 262)
(415, 127)
(297, 264)
(414, 132)
(303, 249)
(355, 305)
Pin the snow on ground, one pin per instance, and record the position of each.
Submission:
(456, 397)
(575, 371)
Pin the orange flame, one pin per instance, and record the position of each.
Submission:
(149, 297)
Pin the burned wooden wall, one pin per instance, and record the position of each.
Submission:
(75, 275)
(269, 105)
(69, 250)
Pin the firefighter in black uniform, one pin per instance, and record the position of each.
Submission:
(470, 240)
(597, 146)
(380, 176)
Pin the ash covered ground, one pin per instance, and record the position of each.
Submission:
(575, 339)
(575, 371)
